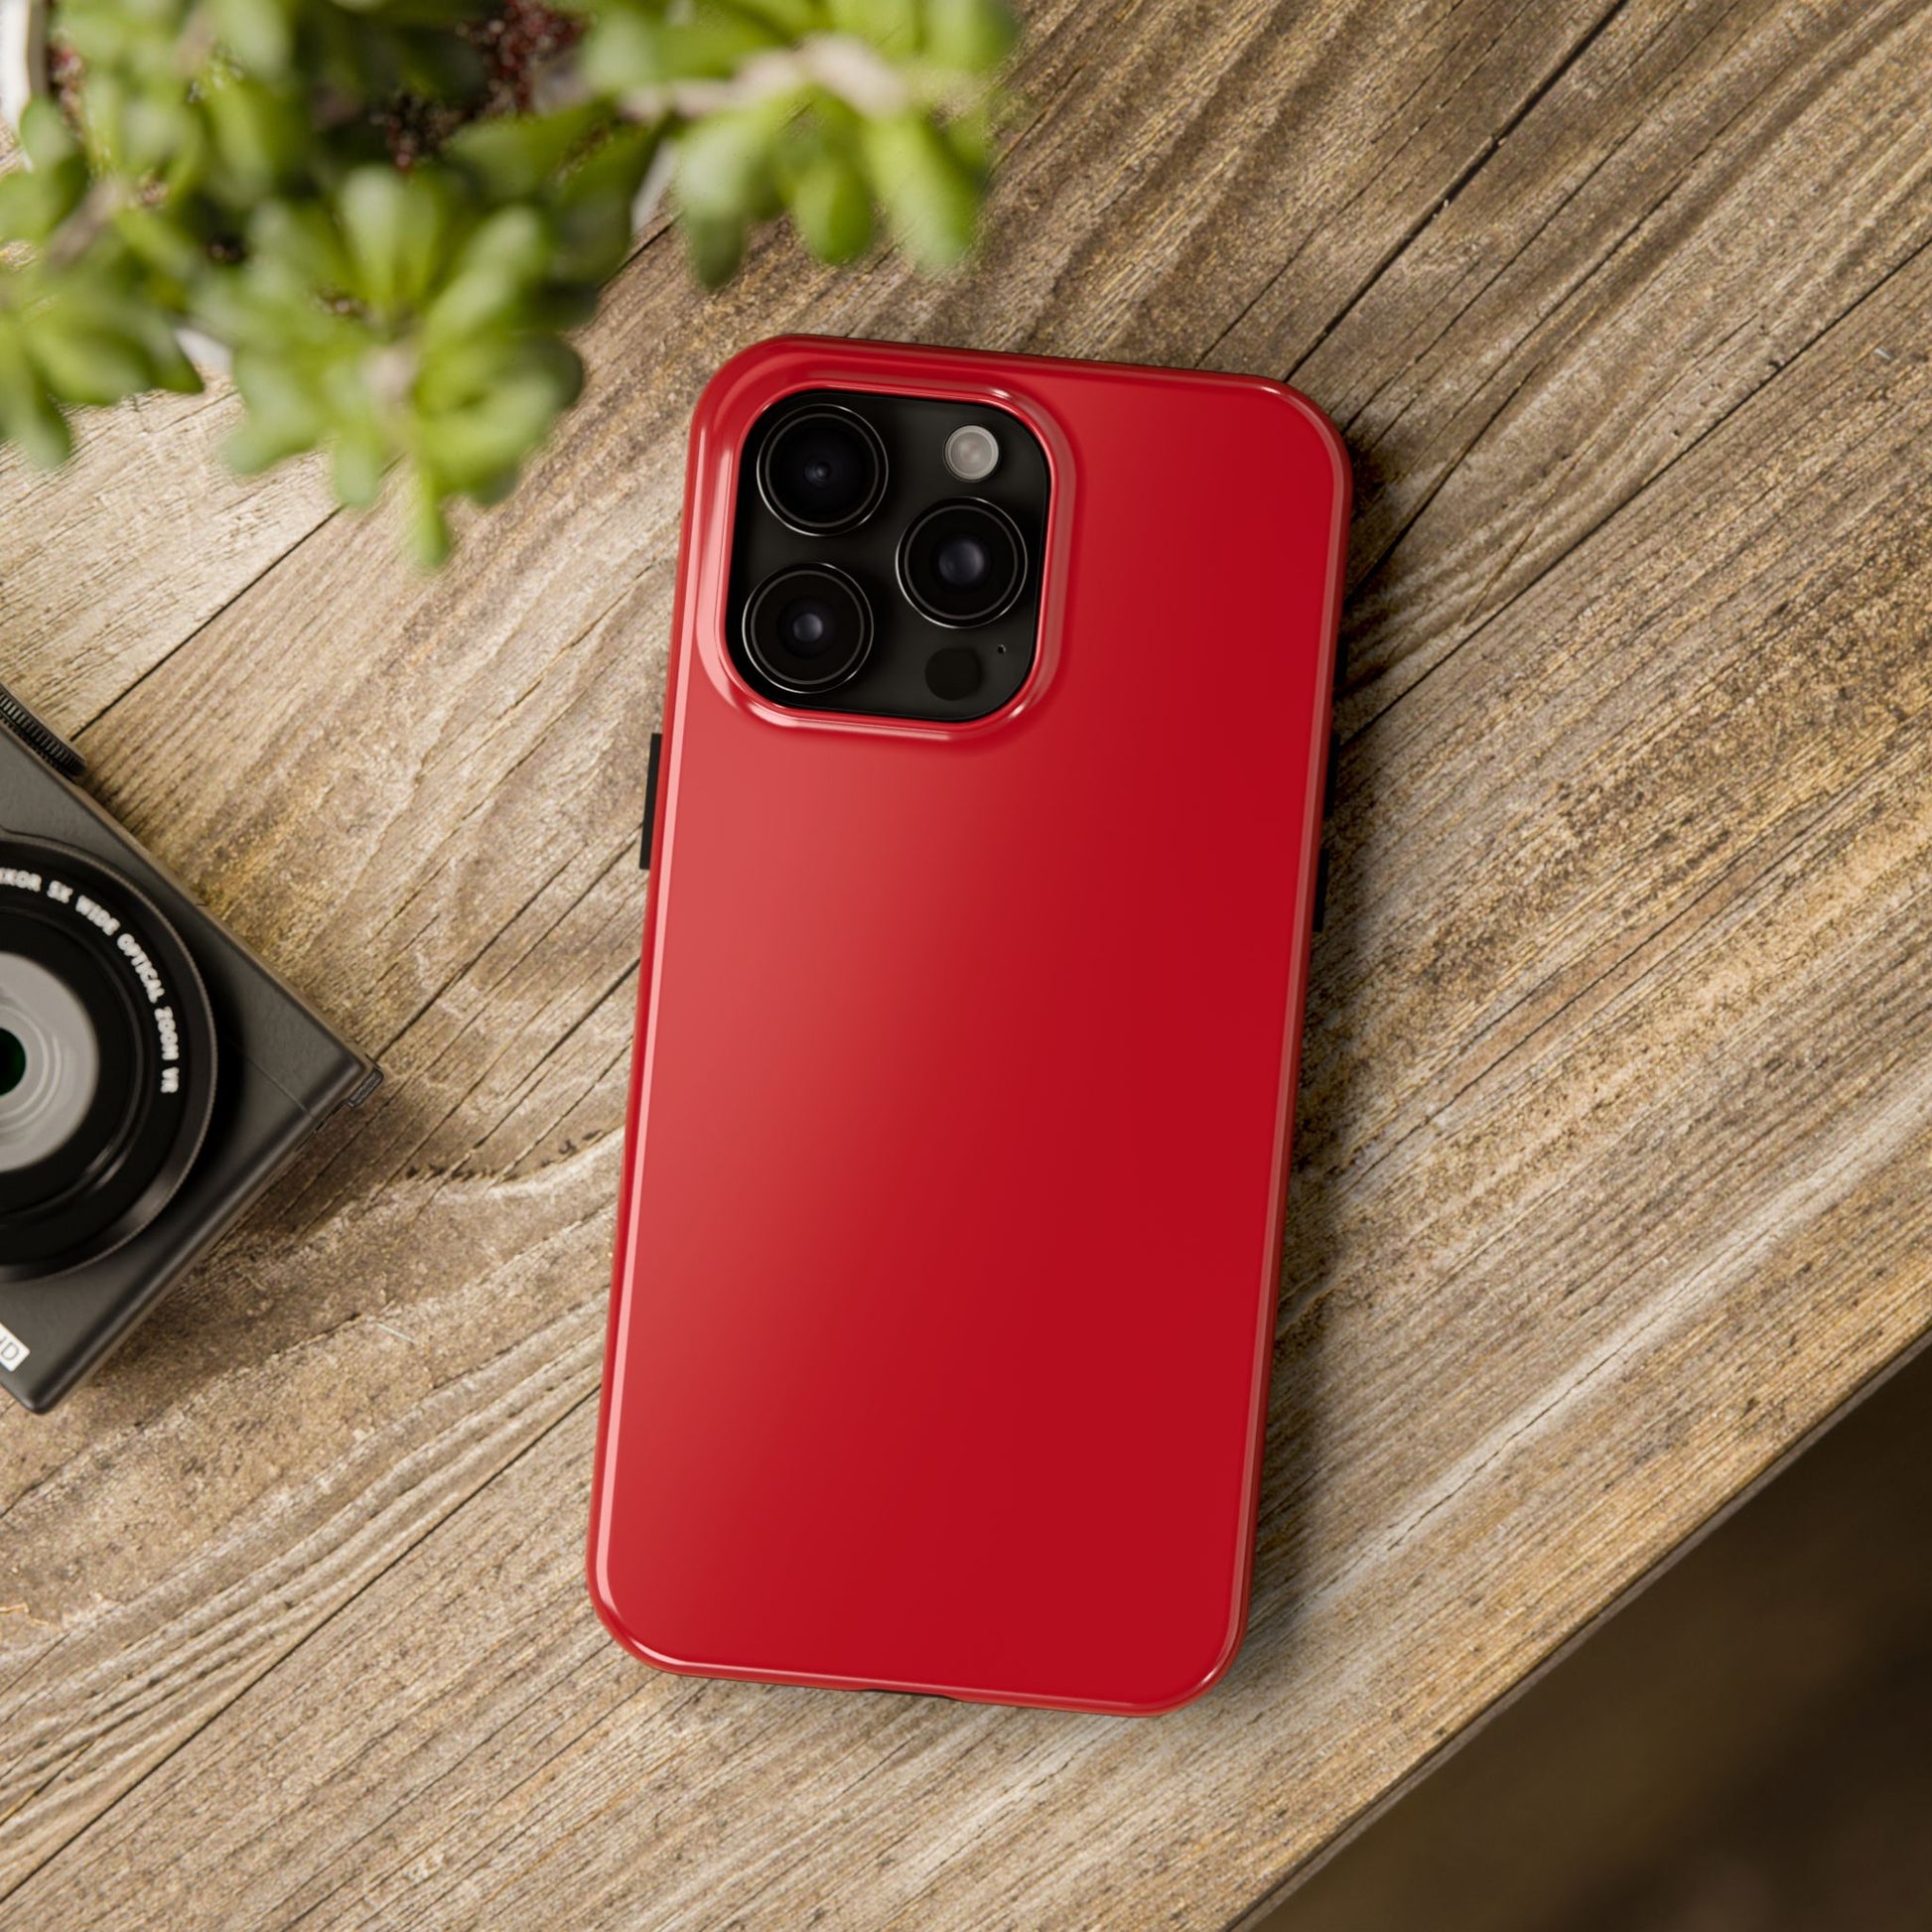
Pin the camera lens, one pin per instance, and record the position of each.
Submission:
(107, 1061)
(823, 470)
(808, 631)
(963, 564)
(49, 1062)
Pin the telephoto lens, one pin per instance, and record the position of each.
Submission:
(808, 631)
(963, 564)
(823, 471)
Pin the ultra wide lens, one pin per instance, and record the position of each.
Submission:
(963, 564)
(823, 470)
(808, 631)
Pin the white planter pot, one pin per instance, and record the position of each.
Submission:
(23, 55)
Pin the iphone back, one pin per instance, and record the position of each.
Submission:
(973, 969)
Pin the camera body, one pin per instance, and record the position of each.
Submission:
(154, 1075)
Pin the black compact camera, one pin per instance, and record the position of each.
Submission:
(154, 1075)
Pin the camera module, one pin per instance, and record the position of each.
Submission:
(808, 631)
(823, 471)
(886, 556)
(963, 564)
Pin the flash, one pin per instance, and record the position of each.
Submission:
(972, 452)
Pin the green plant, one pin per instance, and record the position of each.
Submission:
(392, 212)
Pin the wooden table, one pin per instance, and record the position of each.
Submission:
(1615, 1173)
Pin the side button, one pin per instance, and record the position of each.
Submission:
(650, 802)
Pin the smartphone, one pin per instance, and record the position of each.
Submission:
(983, 862)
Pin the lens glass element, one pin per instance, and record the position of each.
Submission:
(963, 564)
(822, 470)
(49, 1062)
(809, 630)
(107, 1059)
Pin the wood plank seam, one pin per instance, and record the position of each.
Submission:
(428, 1528)
(1468, 172)
(570, 1743)
(1253, 1917)
(613, 866)
(1502, 268)
(1904, 12)
(1696, 442)
(1652, 947)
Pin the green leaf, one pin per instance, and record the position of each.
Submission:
(157, 129)
(969, 36)
(258, 136)
(929, 197)
(832, 206)
(514, 155)
(28, 415)
(253, 446)
(786, 19)
(257, 31)
(361, 456)
(503, 263)
(397, 227)
(81, 365)
(626, 49)
(438, 67)
(621, 51)
(724, 163)
(44, 135)
(890, 23)
(284, 413)
(716, 245)
(33, 201)
(158, 241)
(590, 206)
(302, 238)
(429, 528)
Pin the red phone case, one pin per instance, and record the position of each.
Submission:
(949, 1242)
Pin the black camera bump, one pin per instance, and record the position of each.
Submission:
(886, 554)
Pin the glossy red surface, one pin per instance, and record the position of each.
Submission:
(949, 1251)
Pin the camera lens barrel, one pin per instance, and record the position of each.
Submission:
(808, 631)
(963, 564)
(108, 1051)
(822, 470)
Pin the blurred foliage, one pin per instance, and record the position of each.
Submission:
(390, 213)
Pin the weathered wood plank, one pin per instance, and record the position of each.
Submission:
(134, 546)
(1585, 312)
(1624, 900)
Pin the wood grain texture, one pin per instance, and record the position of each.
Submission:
(1615, 1129)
